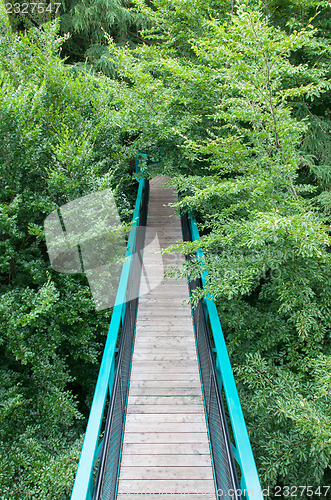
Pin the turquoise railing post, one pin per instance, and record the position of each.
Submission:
(250, 482)
(83, 485)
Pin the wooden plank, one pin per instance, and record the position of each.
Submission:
(162, 192)
(161, 324)
(161, 318)
(176, 234)
(178, 295)
(173, 379)
(176, 323)
(152, 408)
(164, 271)
(171, 417)
(165, 391)
(170, 472)
(166, 427)
(146, 327)
(172, 339)
(173, 373)
(160, 247)
(147, 300)
(149, 303)
(160, 355)
(153, 326)
(171, 285)
(167, 261)
(148, 340)
(166, 238)
(168, 350)
(166, 400)
(172, 228)
(166, 202)
(169, 448)
(160, 331)
(165, 340)
(165, 214)
(167, 219)
(155, 203)
(176, 337)
(165, 369)
(165, 376)
(160, 487)
(165, 345)
(163, 210)
(165, 334)
(157, 261)
(156, 356)
(160, 310)
(161, 216)
(162, 307)
(166, 353)
(165, 437)
(162, 313)
(165, 460)
(162, 206)
(149, 350)
(182, 366)
(148, 365)
(158, 293)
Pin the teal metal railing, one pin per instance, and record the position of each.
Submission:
(250, 487)
(83, 485)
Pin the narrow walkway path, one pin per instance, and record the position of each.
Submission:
(166, 452)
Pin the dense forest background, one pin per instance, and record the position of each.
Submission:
(234, 96)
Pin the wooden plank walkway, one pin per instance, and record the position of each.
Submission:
(166, 452)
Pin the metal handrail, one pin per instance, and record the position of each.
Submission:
(225, 431)
(250, 485)
(103, 457)
(83, 485)
(98, 483)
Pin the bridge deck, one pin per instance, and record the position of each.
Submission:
(165, 449)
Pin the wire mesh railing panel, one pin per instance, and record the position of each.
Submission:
(223, 463)
(117, 409)
(224, 467)
(107, 478)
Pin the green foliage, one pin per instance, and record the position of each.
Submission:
(62, 136)
(88, 21)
